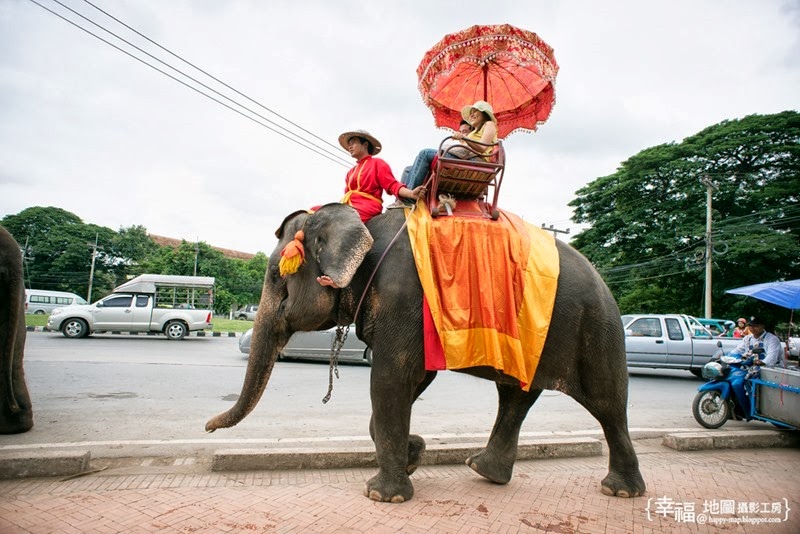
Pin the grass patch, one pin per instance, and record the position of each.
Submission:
(36, 320)
(221, 324)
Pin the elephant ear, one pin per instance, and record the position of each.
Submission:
(338, 241)
(279, 233)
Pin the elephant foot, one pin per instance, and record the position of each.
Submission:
(416, 446)
(385, 488)
(17, 423)
(618, 485)
(491, 468)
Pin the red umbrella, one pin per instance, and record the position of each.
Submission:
(512, 69)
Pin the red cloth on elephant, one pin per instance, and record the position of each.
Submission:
(365, 184)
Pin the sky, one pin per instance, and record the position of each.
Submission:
(86, 128)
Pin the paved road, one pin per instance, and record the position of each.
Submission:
(125, 393)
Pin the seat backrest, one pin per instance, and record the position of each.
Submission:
(463, 151)
(469, 178)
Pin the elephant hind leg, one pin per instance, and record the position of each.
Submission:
(624, 478)
(496, 461)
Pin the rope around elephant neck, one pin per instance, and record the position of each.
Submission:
(342, 331)
(338, 343)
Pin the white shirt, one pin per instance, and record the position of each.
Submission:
(773, 352)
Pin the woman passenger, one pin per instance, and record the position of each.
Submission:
(484, 129)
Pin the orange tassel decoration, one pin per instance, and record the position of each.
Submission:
(293, 255)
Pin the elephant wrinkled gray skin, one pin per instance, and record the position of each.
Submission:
(16, 413)
(584, 354)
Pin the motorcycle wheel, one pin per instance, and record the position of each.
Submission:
(710, 409)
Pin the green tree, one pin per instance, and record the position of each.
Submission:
(134, 245)
(59, 250)
(60, 247)
(647, 220)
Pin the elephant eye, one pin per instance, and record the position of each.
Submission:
(274, 273)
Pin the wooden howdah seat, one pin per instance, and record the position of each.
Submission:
(467, 179)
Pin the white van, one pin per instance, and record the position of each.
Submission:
(40, 301)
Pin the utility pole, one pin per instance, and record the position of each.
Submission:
(555, 230)
(25, 257)
(196, 253)
(91, 271)
(709, 245)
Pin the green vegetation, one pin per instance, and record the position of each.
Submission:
(220, 323)
(36, 320)
(648, 219)
(58, 256)
(231, 325)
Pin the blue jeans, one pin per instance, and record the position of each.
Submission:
(419, 169)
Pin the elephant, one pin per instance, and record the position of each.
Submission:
(583, 354)
(16, 411)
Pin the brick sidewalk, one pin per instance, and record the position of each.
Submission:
(544, 496)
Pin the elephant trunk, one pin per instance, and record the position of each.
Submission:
(265, 346)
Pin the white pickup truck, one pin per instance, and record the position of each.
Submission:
(168, 304)
(671, 341)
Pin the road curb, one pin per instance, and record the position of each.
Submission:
(314, 458)
(200, 333)
(43, 464)
(750, 439)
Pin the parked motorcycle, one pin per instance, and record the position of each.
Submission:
(732, 389)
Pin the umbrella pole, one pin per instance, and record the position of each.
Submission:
(485, 78)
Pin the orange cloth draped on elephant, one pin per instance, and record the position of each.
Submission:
(490, 288)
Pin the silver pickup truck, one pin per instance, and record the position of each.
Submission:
(167, 304)
(671, 341)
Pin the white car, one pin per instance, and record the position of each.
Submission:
(248, 313)
(317, 346)
(794, 347)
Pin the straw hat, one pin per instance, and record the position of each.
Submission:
(345, 137)
(480, 105)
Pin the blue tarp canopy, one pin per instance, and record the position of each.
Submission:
(786, 294)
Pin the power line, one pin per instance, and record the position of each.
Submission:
(212, 76)
(643, 278)
(313, 148)
(671, 257)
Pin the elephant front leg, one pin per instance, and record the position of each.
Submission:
(389, 427)
(416, 444)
